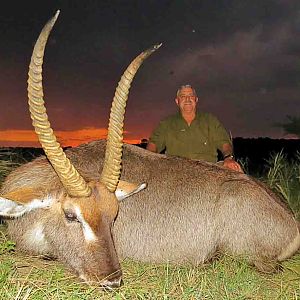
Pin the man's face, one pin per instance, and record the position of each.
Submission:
(187, 100)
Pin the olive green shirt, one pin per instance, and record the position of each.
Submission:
(200, 140)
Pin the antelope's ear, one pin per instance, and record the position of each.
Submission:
(14, 209)
(126, 189)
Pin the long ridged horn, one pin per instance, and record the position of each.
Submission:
(113, 154)
(70, 178)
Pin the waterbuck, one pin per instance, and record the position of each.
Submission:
(67, 207)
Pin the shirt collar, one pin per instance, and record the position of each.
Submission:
(179, 116)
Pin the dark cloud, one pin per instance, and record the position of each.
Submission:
(241, 56)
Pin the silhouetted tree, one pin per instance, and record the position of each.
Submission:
(291, 126)
(144, 143)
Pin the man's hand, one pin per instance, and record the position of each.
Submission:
(230, 163)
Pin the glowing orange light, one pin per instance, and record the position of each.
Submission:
(19, 137)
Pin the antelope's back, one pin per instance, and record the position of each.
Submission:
(191, 209)
(39, 174)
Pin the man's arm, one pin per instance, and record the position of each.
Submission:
(227, 150)
(151, 147)
(224, 144)
(229, 161)
(157, 139)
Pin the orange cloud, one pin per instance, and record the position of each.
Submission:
(17, 137)
(76, 137)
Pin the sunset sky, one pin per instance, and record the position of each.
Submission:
(243, 58)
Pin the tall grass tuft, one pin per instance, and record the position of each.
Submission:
(244, 163)
(283, 176)
(8, 162)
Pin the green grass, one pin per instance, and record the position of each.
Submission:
(283, 177)
(27, 277)
(8, 161)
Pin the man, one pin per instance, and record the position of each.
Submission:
(192, 134)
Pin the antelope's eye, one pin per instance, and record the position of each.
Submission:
(70, 216)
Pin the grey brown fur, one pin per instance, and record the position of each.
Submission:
(190, 210)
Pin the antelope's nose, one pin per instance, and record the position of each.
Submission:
(114, 280)
(111, 284)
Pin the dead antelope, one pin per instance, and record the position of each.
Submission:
(189, 211)
(79, 214)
